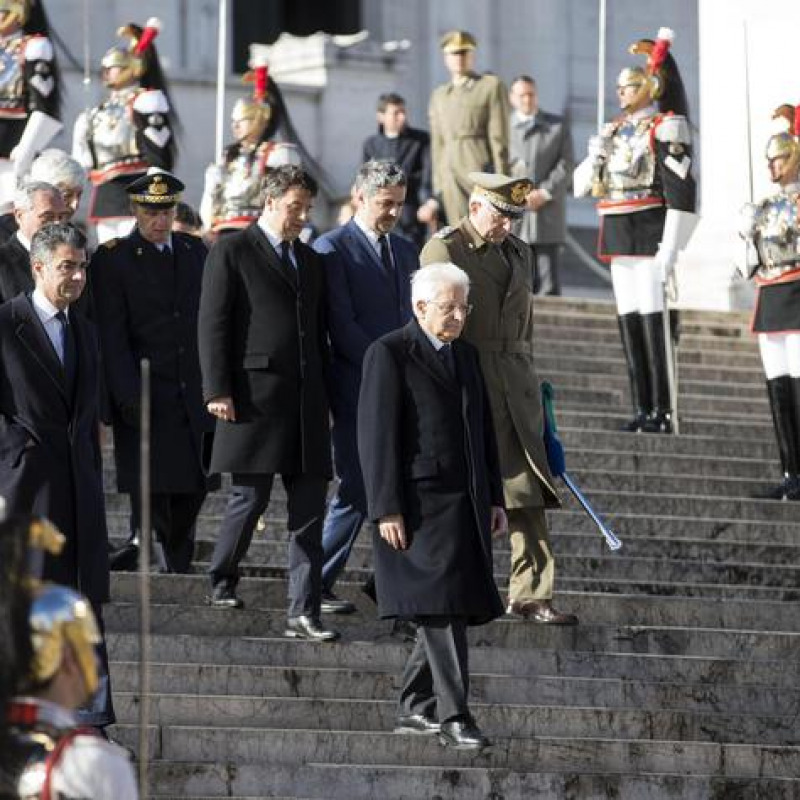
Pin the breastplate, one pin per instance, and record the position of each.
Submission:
(240, 193)
(630, 172)
(777, 236)
(112, 131)
(12, 78)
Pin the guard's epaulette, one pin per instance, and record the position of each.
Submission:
(110, 243)
(442, 232)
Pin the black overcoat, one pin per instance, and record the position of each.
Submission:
(428, 452)
(263, 342)
(146, 306)
(49, 449)
(15, 269)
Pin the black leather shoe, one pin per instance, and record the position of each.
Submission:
(541, 611)
(224, 596)
(331, 604)
(788, 490)
(417, 724)
(658, 422)
(124, 558)
(462, 735)
(308, 628)
(636, 424)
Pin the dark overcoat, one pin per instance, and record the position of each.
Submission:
(263, 342)
(146, 305)
(15, 269)
(428, 452)
(49, 449)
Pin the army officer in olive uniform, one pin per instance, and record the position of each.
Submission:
(501, 327)
(469, 125)
(146, 292)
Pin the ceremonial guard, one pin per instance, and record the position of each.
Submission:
(49, 668)
(30, 89)
(233, 197)
(146, 290)
(469, 125)
(773, 229)
(499, 266)
(129, 132)
(639, 168)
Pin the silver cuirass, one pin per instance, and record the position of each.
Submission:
(240, 192)
(111, 129)
(12, 78)
(630, 170)
(777, 233)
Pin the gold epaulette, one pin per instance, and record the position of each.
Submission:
(110, 244)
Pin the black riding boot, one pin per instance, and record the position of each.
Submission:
(660, 420)
(784, 403)
(630, 329)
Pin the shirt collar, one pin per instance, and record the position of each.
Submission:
(44, 307)
(23, 240)
(373, 236)
(273, 237)
(438, 344)
(523, 120)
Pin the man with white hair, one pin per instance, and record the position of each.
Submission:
(432, 478)
(499, 265)
(36, 204)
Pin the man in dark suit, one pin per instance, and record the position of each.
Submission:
(263, 353)
(367, 268)
(146, 291)
(541, 150)
(410, 149)
(432, 477)
(49, 448)
(35, 204)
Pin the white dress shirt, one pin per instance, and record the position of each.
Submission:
(46, 312)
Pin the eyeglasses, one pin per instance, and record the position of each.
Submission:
(451, 308)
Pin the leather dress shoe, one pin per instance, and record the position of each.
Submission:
(461, 734)
(331, 604)
(636, 424)
(658, 422)
(224, 596)
(308, 628)
(541, 611)
(789, 489)
(124, 558)
(416, 723)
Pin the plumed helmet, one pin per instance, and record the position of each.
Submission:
(257, 107)
(134, 56)
(784, 142)
(19, 9)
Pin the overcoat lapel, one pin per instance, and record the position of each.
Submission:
(259, 239)
(421, 351)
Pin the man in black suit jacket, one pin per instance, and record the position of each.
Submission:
(35, 204)
(146, 291)
(49, 449)
(263, 354)
(410, 149)
(432, 476)
(367, 270)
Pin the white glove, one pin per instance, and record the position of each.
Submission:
(599, 147)
(747, 220)
(666, 260)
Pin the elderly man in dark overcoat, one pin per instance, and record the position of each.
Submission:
(49, 448)
(431, 471)
(146, 289)
(263, 354)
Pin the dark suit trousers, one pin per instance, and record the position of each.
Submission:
(348, 508)
(435, 680)
(306, 509)
(174, 520)
(546, 261)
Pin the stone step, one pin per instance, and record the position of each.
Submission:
(242, 745)
(411, 782)
(209, 652)
(509, 720)
(539, 690)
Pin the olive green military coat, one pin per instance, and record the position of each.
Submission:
(469, 133)
(501, 327)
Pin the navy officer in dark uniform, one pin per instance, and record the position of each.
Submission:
(147, 293)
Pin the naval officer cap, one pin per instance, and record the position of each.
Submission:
(504, 194)
(156, 189)
(457, 42)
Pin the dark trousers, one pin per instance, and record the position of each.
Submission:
(435, 679)
(347, 509)
(306, 508)
(174, 521)
(546, 261)
(99, 711)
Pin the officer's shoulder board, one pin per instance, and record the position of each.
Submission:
(110, 244)
(443, 233)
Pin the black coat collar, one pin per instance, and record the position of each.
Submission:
(423, 352)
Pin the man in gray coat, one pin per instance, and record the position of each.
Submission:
(541, 149)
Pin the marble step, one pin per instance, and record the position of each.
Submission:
(188, 743)
(208, 652)
(492, 688)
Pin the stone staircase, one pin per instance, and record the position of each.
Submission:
(682, 680)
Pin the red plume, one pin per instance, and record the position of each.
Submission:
(260, 79)
(796, 122)
(151, 30)
(660, 49)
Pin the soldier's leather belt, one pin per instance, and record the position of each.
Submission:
(502, 346)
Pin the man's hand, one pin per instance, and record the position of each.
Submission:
(535, 199)
(499, 521)
(427, 212)
(393, 531)
(222, 408)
